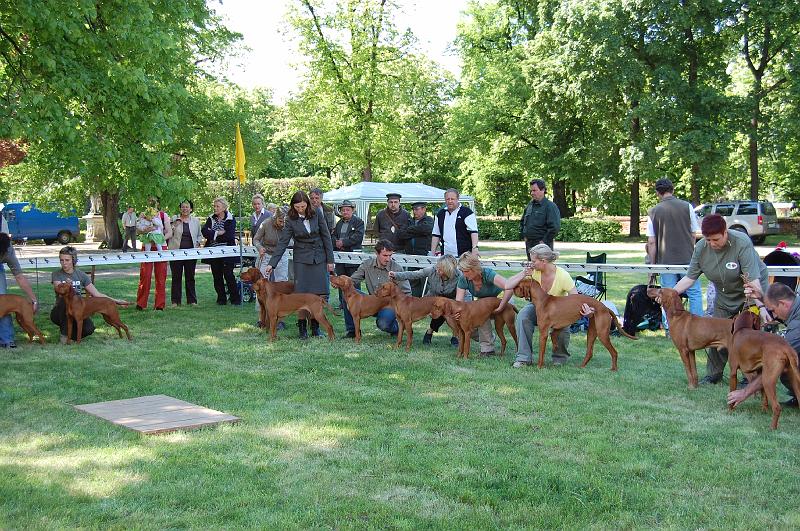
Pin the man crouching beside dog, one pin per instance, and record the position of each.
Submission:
(784, 305)
(80, 281)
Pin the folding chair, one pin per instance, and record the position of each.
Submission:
(598, 280)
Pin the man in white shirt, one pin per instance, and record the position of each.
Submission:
(456, 227)
(129, 220)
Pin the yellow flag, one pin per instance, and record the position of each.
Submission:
(240, 156)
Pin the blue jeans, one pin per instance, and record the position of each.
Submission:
(695, 293)
(6, 325)
(385, 319)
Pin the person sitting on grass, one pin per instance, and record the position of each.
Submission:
(80, 281)
(441, 282)
(784, 305)
(375, 271)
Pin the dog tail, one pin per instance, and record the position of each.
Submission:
(329, 307)
(619, 326)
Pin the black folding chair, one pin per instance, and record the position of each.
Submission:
(598, 279)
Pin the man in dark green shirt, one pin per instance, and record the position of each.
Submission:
(541, 221)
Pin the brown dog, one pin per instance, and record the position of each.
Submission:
(473, 314)
(752, 350)
(690, 332)
(359, 305)
(408, 309)
(79, 309)
(253, 275)
(555, 313)
(23, 311)
(279, 305)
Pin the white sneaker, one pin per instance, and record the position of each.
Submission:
(520, 364)
(63, 340)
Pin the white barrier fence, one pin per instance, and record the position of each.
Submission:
(405, 260)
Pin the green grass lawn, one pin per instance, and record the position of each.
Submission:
(346, 436)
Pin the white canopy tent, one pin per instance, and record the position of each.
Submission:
(364, 194)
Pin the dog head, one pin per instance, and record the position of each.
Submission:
(668, 298)
(342, 282)
(251, 275)
(387, 289)
(746, 320)
(441, 306)
(523, 289)
(64, 289)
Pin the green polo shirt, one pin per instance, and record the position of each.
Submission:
(725, 267)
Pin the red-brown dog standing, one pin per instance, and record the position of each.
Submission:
(79, 309)
(556, 313)
(752, 350)
(690, 332)
(23, 311)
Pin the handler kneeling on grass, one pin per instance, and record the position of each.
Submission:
(375, 271)
(80, 281)
(556, 282)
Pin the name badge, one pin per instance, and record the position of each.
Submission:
(732, 265)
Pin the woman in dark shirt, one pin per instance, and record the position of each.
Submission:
(220, 229)
(312, 258)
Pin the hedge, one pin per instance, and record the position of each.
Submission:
(278, 191)
(572, 230)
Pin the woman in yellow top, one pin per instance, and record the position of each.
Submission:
(555, 281)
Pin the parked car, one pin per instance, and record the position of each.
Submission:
(26, 222)
(757, 219)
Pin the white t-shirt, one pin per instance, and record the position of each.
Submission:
(449, 237)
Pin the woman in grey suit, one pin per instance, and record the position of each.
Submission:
(313, 253)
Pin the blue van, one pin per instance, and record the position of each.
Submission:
(26, 222)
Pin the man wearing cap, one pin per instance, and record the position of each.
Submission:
(392, 221)
(417, 239)
(671, 226)
(348, 234)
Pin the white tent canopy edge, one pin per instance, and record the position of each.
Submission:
(364, 194)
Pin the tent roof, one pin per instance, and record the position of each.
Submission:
(372, 191)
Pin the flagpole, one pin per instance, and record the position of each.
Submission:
(239, 160)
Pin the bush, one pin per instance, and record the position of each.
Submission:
(572, 230)
(277, 191)
(582, 230)
(499, 229)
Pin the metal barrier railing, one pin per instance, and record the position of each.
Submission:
(405, 260)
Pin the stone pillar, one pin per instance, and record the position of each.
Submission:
(95, 228)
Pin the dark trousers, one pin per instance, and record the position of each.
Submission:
(179, 269)
(222, 271)
(130, 235)
(58, 316)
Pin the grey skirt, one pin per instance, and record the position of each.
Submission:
(311, 278)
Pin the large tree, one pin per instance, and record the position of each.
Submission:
(370, 104)
(105, 95)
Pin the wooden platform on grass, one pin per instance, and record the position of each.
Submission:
(156, 414)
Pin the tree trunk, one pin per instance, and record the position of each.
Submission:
(636, 128)
(111, 218)
(560, 198)
(753, 148)
(366, 172)
(695, 184)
